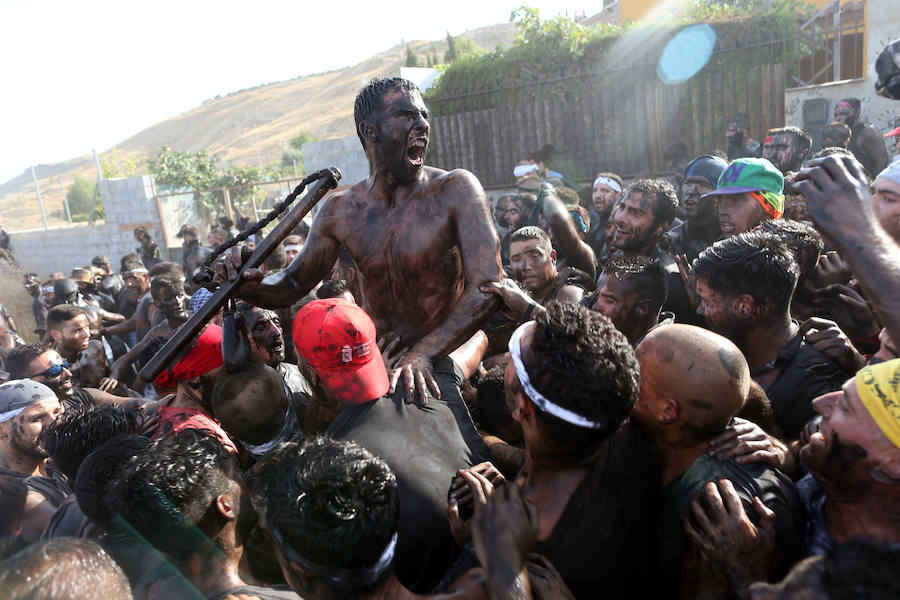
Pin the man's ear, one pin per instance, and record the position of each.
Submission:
(306, 370)
(302, 577)
(642, 307)
(367, 131)
(662, 228)
(524, 407)
(889, 470)
(745, 306)
(669, 412)
(351, 274)
(225, 506)
(54, 334)
(553, 256)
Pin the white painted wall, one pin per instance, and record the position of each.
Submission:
(882, 27)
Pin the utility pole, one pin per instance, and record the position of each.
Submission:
(96, 187)
(65, 200)
(40, 200)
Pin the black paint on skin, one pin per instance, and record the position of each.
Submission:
(730, 363)
(417, 234)
(701, 404)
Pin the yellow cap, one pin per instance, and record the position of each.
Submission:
(879, 389)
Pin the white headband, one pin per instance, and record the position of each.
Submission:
(610, 182)
(543, 403)
(138, 271)
(892, 171)
(4, 417)
(523, 170)
(292, 248)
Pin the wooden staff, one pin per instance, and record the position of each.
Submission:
(185, 335)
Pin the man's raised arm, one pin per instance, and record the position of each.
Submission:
(480, 251)
(839, 201)
(308, 268)
(578, 253)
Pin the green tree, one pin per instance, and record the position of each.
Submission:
(451, 54)
(195, 170)
(466, 48)
(243, 176)
(412, 59)
(112, 165)
(293, 152)
(80, 196)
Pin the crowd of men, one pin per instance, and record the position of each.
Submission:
(623, 391)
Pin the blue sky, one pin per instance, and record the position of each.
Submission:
(80, 75)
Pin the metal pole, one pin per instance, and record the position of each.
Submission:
(96, 187)
(162, 219)
(226, 196)
(65, 200)
(295, 168)
(40, 200)
(836, 48)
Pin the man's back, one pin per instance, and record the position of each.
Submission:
(424, 446)
(774, 488)
(602, 544)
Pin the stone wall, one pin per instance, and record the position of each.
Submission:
(128, 203)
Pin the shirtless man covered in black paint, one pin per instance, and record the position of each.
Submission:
(422, 238)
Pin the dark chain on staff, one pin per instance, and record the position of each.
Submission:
(205, 274)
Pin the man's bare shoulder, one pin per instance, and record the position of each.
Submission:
(462, 185)
(346, 200)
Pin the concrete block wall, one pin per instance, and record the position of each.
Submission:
(345, 153)
(128, 203)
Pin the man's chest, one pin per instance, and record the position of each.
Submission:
(409, 239)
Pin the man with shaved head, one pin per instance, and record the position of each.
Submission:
(693, 382)
(256, 408)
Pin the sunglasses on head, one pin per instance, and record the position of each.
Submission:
(54, 371)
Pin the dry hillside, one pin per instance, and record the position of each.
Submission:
(233, 128)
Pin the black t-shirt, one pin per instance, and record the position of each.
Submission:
(805, 373)
(424, 446)
(54, 488)
(79, 399)
(683, 243)
(69, 521)
(603, 544)
(753, 479)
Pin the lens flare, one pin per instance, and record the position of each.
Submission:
(686, 53)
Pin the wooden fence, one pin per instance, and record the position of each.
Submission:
(625, 126)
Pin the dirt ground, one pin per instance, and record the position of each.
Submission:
(17, 301)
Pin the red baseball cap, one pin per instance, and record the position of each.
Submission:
(204, 356)
(337, 338)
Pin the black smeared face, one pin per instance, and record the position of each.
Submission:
(783, 152)
(402, 131)
(734, 134)
(173, 302)
(266, 337)
(694, 205)
(845, 113)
